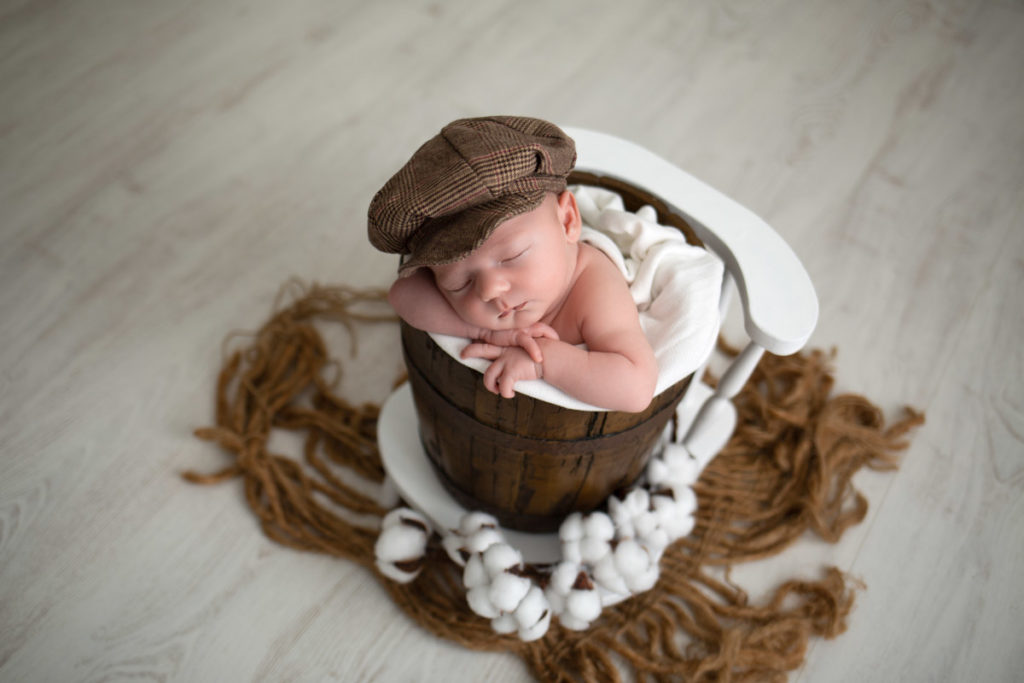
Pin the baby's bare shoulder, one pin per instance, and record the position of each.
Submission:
(600, 298)
(598, 276)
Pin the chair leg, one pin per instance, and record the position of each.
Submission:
(716, 419)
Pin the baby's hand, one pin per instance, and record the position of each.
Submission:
(494, 341)
(511, 365)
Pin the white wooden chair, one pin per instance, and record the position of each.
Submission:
(780, 308)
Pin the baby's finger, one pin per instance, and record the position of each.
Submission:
(530, 345)
(508, 386)
(481, 350)
(491, 378)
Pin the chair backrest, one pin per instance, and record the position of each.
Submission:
(780, 307)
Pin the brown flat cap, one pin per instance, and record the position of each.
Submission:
(464, 182)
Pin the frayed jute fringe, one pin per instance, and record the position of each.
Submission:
(786, 471)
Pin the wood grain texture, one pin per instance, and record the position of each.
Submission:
(165, 167)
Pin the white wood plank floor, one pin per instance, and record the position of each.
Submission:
(166, 166)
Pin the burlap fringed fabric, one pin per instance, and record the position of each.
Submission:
(787, 471)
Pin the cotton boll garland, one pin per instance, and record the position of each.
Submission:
(605, 556)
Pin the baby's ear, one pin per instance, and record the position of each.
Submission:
(569, 215)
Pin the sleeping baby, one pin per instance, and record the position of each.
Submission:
(490, 239)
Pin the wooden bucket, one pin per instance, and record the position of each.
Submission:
(525, 461)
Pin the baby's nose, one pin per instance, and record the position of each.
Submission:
(491, 285)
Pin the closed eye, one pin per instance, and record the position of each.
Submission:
(456, 290)
(513, 258)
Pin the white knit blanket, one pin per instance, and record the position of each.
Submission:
(676, 287)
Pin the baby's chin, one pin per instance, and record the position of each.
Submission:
(516, 320)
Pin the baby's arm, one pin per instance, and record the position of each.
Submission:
(419, 302)
(617, 371)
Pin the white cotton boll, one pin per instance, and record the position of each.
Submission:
(644, 581)
(656, 542)
(599, 525)
(631, 559)
(684, 526)
(483, 539)
(674, 521)
(621, 517)
(572, 623)
(585, 605)
(645, 523)
(615, 510)
(508, 590)
(572, 528)
(625, 529)
(657, 472)
(395, 574)
(392, 519)
(668, 515)
(637, 502)
(475, 574)
(607, 575)
(683, 468)
(537, 629)
(571, 552)
(593, 549)
(452, 544)
(667, 508)
(664, 508)
(480, 602)
(676, 529)
(532, 608)
(500, 557)
(411, 516)
(563, 577)
(504, 623)
(556, 600)
(686, 499)
(403, 516)
(400, 543)
(472, 522)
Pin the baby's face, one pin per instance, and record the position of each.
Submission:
(521, 275)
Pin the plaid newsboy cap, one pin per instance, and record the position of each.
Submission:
(464, 182)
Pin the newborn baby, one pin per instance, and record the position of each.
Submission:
(490, 238)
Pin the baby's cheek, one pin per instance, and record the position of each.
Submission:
(458, 304)
(471, 314)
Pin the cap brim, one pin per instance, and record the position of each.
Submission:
(447, 239)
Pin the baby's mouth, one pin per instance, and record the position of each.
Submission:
(514, 309)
